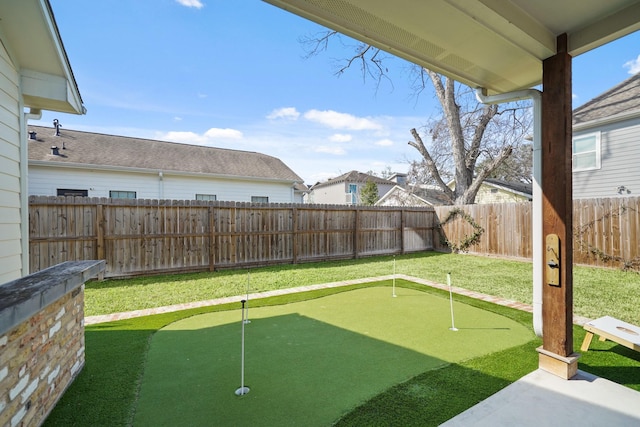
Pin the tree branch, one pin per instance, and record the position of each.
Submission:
(418, 144)
(488, 112)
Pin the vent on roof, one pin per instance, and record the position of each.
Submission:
(32, 135)
(54, 150)
(57, 125)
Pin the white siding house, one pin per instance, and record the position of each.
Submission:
(499, 191)
(98, 165)
(35, 75)
(606, 133)
(345, 189)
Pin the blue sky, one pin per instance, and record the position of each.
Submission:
(233, 74)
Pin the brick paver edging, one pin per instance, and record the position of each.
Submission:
(90, 320)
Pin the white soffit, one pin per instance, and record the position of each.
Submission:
(496, 44)
(31, 36)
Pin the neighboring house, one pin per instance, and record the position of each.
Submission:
(491, 191)
(35, 75)
(499, 191)
(606, 131)
(400, 196)
(345, 189)
(413, 195)
(97, 165)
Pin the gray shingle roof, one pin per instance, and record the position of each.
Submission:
(518, 187)
(353, 176)
(102, 150)
(623, 98)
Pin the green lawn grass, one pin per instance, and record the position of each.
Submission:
(597, 292)
(309, 362)
(106, 391)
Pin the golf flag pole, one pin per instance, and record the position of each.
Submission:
(394, 276)
(246, 320)
(242, 390)
(453, 323)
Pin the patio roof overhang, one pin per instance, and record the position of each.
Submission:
(504, 46)
(34, 45)
(495, 44)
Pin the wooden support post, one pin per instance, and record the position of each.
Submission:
(556, 354)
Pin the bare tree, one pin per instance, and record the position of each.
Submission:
(464, 135)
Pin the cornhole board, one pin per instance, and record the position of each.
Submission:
(612, 329)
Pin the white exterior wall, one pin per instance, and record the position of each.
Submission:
(619, 160)
(336, 194)
(45, 181)
(11, 216)
(330, 194)
(486, 196)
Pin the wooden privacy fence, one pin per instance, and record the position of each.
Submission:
(153, 236)
(606, 232)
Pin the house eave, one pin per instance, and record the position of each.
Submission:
(35, 47)
(627, 115)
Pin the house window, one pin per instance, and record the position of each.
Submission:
(586, 152)
(122, 194)
(259, 199)
(351, 196)
(70, 192)
(209, 197)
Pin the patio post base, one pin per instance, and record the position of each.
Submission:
(561, 366)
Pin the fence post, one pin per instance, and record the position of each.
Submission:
(100, 231)
(402, 224)
(356, 232)
(294, 235)
(212, 239)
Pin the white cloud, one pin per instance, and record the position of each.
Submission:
(336, 120)
(288, 113)
(384, 142)
(191, 3)
(338, 151)
(633, 66)
(226, 133)
(177, 119)
(340, 137)
(183, 137)
(202, 95)
(212, 137)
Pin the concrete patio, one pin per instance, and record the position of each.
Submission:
(544, 399)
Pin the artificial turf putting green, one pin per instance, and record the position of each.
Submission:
(310, 362)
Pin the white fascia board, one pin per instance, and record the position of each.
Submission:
(41, 89)
(165, 173)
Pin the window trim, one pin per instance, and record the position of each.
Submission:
(69, 192)
(206, 197)
(597, 151)
(134, 193)
(264, 199)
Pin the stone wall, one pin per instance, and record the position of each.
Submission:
(41, 340)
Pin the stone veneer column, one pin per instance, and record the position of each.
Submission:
(41, 339)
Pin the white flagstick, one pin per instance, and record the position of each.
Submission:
(394, 277)
(453, 324)
(242, 390)
(246, 320)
